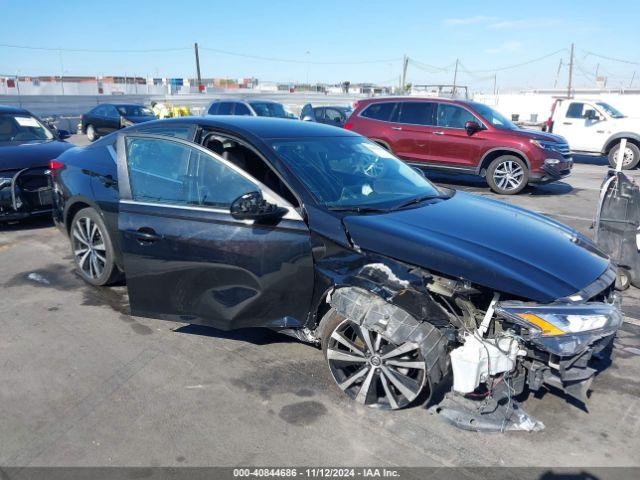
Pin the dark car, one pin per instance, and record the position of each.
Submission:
(27, 148)
(320, 233)
(108, 117)
(329, 115)
(463, 137)
(249, 108)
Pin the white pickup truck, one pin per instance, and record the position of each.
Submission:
(595, 127)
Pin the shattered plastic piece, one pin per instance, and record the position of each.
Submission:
(486, 415)
(36, 277)
(386, 272)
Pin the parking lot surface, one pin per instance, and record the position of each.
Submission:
(85, 384)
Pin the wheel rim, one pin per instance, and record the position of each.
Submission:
(374, 371)
(89, 249)
(627, 159)
(508, 175)
(91, 133)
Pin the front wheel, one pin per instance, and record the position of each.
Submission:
(507, 175)
(631, 156)
(92, 135)
(371, 369)
(92, 248)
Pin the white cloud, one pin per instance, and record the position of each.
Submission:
(506, 47)
(524, 23)
(469, 20)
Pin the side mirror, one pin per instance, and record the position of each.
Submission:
(472, 127)
(63, 134)
(251, 206)
(591, 115)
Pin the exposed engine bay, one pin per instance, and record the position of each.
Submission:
(484, 347)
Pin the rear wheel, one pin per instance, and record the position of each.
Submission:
(370, 368)
(507, 175)
(92, 248)
(631, 156)
(91, 133)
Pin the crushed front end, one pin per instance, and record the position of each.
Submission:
(24, 193)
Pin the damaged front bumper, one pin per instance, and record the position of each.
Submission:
(24, 193)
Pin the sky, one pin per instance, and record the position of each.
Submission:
(326, 41)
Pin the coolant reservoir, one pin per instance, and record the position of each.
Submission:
(476, 359)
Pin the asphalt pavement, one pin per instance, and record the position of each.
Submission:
(86, 384)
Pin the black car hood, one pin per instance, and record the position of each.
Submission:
(142, 119)
(538, 135)
(486, 242)
(19, 155)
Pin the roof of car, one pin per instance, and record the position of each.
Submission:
(10, 109)
(406, 98)
(246, 100)
(262, 127)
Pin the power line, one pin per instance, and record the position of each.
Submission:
(522, 64)
(613, 59)
(90, 50)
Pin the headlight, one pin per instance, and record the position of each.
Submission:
(564, 329)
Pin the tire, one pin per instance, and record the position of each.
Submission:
(372, 379)
(631, 156)
(623, 279)
(507, 175)
(92, 249)
(92, 135)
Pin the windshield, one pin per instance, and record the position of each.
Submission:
(494, 118)
(611, 111)
(352, 172)
(22, 128)
(268, 109)
(134, 111)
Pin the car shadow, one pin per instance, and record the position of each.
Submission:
(33, 223)
(475, 184)
(257, 336)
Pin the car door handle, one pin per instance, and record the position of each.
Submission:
(144, 236)
(438, 133)
(396, 128)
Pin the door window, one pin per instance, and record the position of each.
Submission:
(576, 110)
(164, 171)
(241, 109)
(319, 114)
(417, 113)
(453, 116)
(111, 112)
(213, 109)
(225, 108)
(333, 115)
(100, 111)
(379, 111)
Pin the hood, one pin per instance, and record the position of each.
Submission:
(141, 119)
(538, 135)
(487, 242)
(629, 124)
(16, 155)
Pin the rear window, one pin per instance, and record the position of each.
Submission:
(417, 113)
(379, 111)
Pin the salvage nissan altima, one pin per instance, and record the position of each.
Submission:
(319, 233)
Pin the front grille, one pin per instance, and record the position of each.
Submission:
(561, 148)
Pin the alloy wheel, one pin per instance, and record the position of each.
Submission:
(508, 175)
(374, 371)
(89, 249)
(627, 159)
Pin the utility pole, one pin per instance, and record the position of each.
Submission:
(495, 79)
(403, 79)
(558, 74)
(633, 77)
(570, 72)
(455, 78)
(195, 47)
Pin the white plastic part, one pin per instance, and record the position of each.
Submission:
(620, 154)
(488, 316)
(476, 360)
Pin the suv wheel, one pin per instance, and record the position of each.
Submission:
(91, 133)
(371, 369)
(507, 175)
(631, 156)
(92, 249)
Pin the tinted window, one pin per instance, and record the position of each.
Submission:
(494, 118)
(111, 111)
(417, 113)
(164, 171)
(213, 110)
(225, 108)
(333, 115)
(379, 111)
(268, 109)
(100, 111)
(22, 128)
(319, 113)
(453, 116)
(241, 109)
(575, 110)
(177, 131)
(352, 172)
(134, 111)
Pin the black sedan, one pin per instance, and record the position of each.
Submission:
(329, 115)
(107, 118)
(319, 233)
(27, 149)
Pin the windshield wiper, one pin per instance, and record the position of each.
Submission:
(357, 209)
(416, 200)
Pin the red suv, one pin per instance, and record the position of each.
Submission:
(463, 137)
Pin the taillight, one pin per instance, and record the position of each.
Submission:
(348, 126)
(55, 165)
